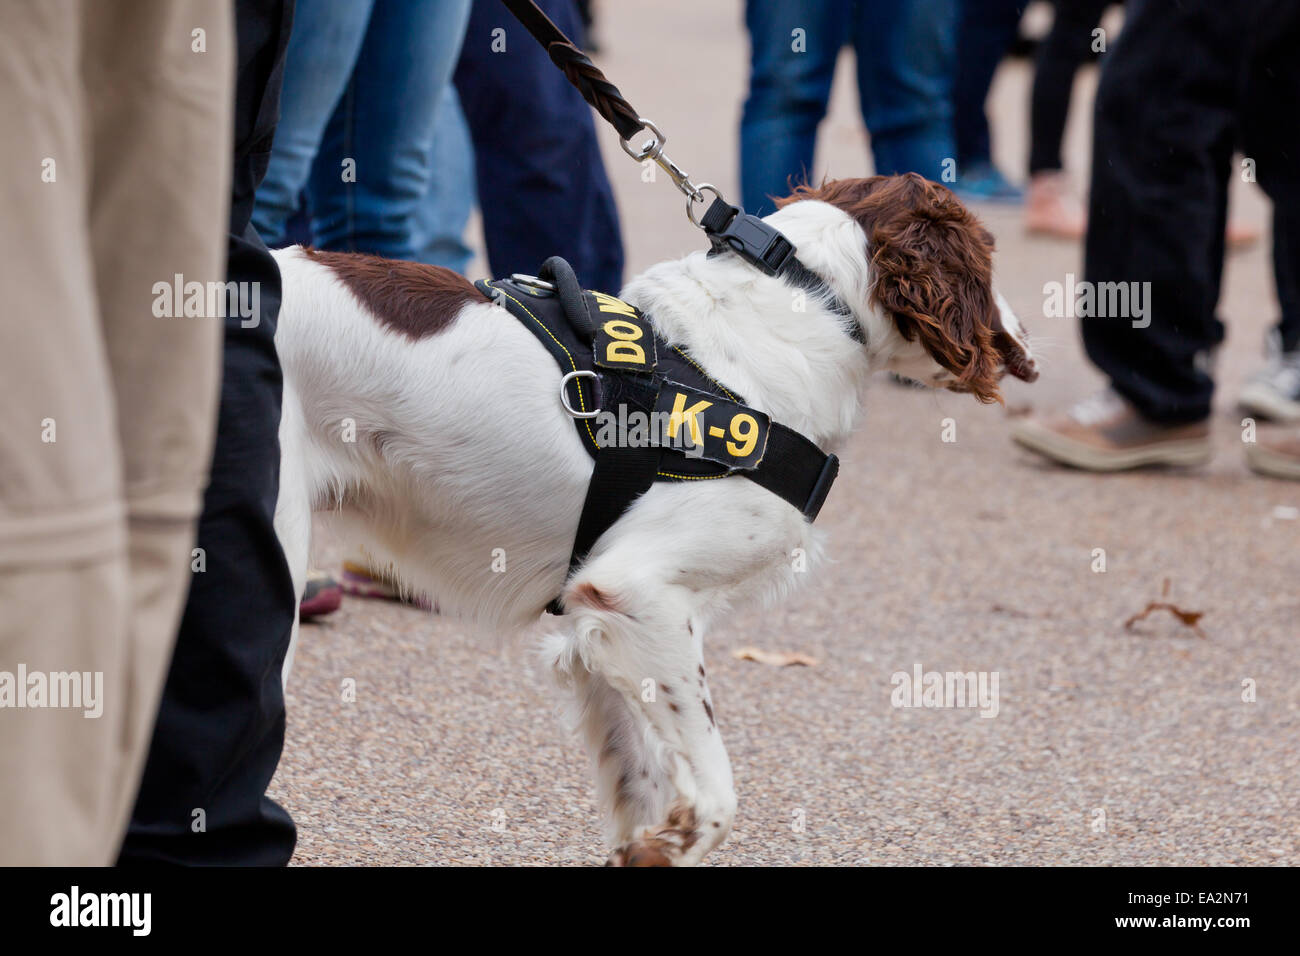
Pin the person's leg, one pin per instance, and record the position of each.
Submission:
(1165, 123)
(793, 50)
(109, 402)
(162, 187)
(544, 191)
(64, 585)
(905, 56)
(1272, 91)
(383, 127)
(1286, 270)
(220, 726)
(442, 216)
(1060, 55)
(323, 50)
(1164, 131)
(986, 31)
(1052, 206)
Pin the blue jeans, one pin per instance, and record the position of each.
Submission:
(362, 83)
(444, 213)
(905, 61)
(987, 30)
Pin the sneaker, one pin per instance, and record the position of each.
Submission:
(321, 596)
(1052, 208)
(1274, 391)
(1106, 433)
(1276, 452)
(982, 182)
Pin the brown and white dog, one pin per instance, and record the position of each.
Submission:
(427, 420)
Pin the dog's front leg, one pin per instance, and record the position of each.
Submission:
(663, 775)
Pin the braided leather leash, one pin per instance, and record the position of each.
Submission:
(604, 97)
(728, 227)
(582, 73)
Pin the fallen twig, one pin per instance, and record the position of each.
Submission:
(1189, 619)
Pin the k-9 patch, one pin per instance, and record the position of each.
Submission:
(701, 425)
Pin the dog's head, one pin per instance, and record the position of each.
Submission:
(931, 266)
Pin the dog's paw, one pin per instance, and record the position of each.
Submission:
(649, 852)
(668, 845)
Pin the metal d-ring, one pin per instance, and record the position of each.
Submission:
(652, 147)
(564, 397)
(690, 201)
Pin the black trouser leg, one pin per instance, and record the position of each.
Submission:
(1059, 58)
(1286, 269)
(1271, 140)
(221, 722)
(1166, 120)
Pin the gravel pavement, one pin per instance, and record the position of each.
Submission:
(1110, 745)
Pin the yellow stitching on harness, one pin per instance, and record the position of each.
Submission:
(586, 422)
(706, 374)
(669, 474)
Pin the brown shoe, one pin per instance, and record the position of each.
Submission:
(1106, 433)
(1276, 452)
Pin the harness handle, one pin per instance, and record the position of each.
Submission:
(569, 289)
(582, 73)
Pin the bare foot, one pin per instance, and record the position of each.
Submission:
(1052, 208)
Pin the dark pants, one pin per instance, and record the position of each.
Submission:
(542, 184)
(220, 725)
(986, 30)
(1186, 83)
(1061, 54)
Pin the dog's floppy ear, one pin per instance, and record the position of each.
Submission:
(933, 267)
(933, 273)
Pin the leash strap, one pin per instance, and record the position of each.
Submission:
(582, 73)
(620, 476)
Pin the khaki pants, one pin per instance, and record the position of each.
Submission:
(114, 176)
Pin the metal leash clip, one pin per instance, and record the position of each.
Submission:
(653, 148)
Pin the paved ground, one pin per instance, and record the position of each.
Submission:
(960, 556)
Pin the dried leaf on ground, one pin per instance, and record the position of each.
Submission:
(774, 658)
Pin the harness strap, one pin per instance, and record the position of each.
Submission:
(620, 477)
(796, 470)
(793, 468)
(727, 438)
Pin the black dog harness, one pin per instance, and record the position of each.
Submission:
(644, 410)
